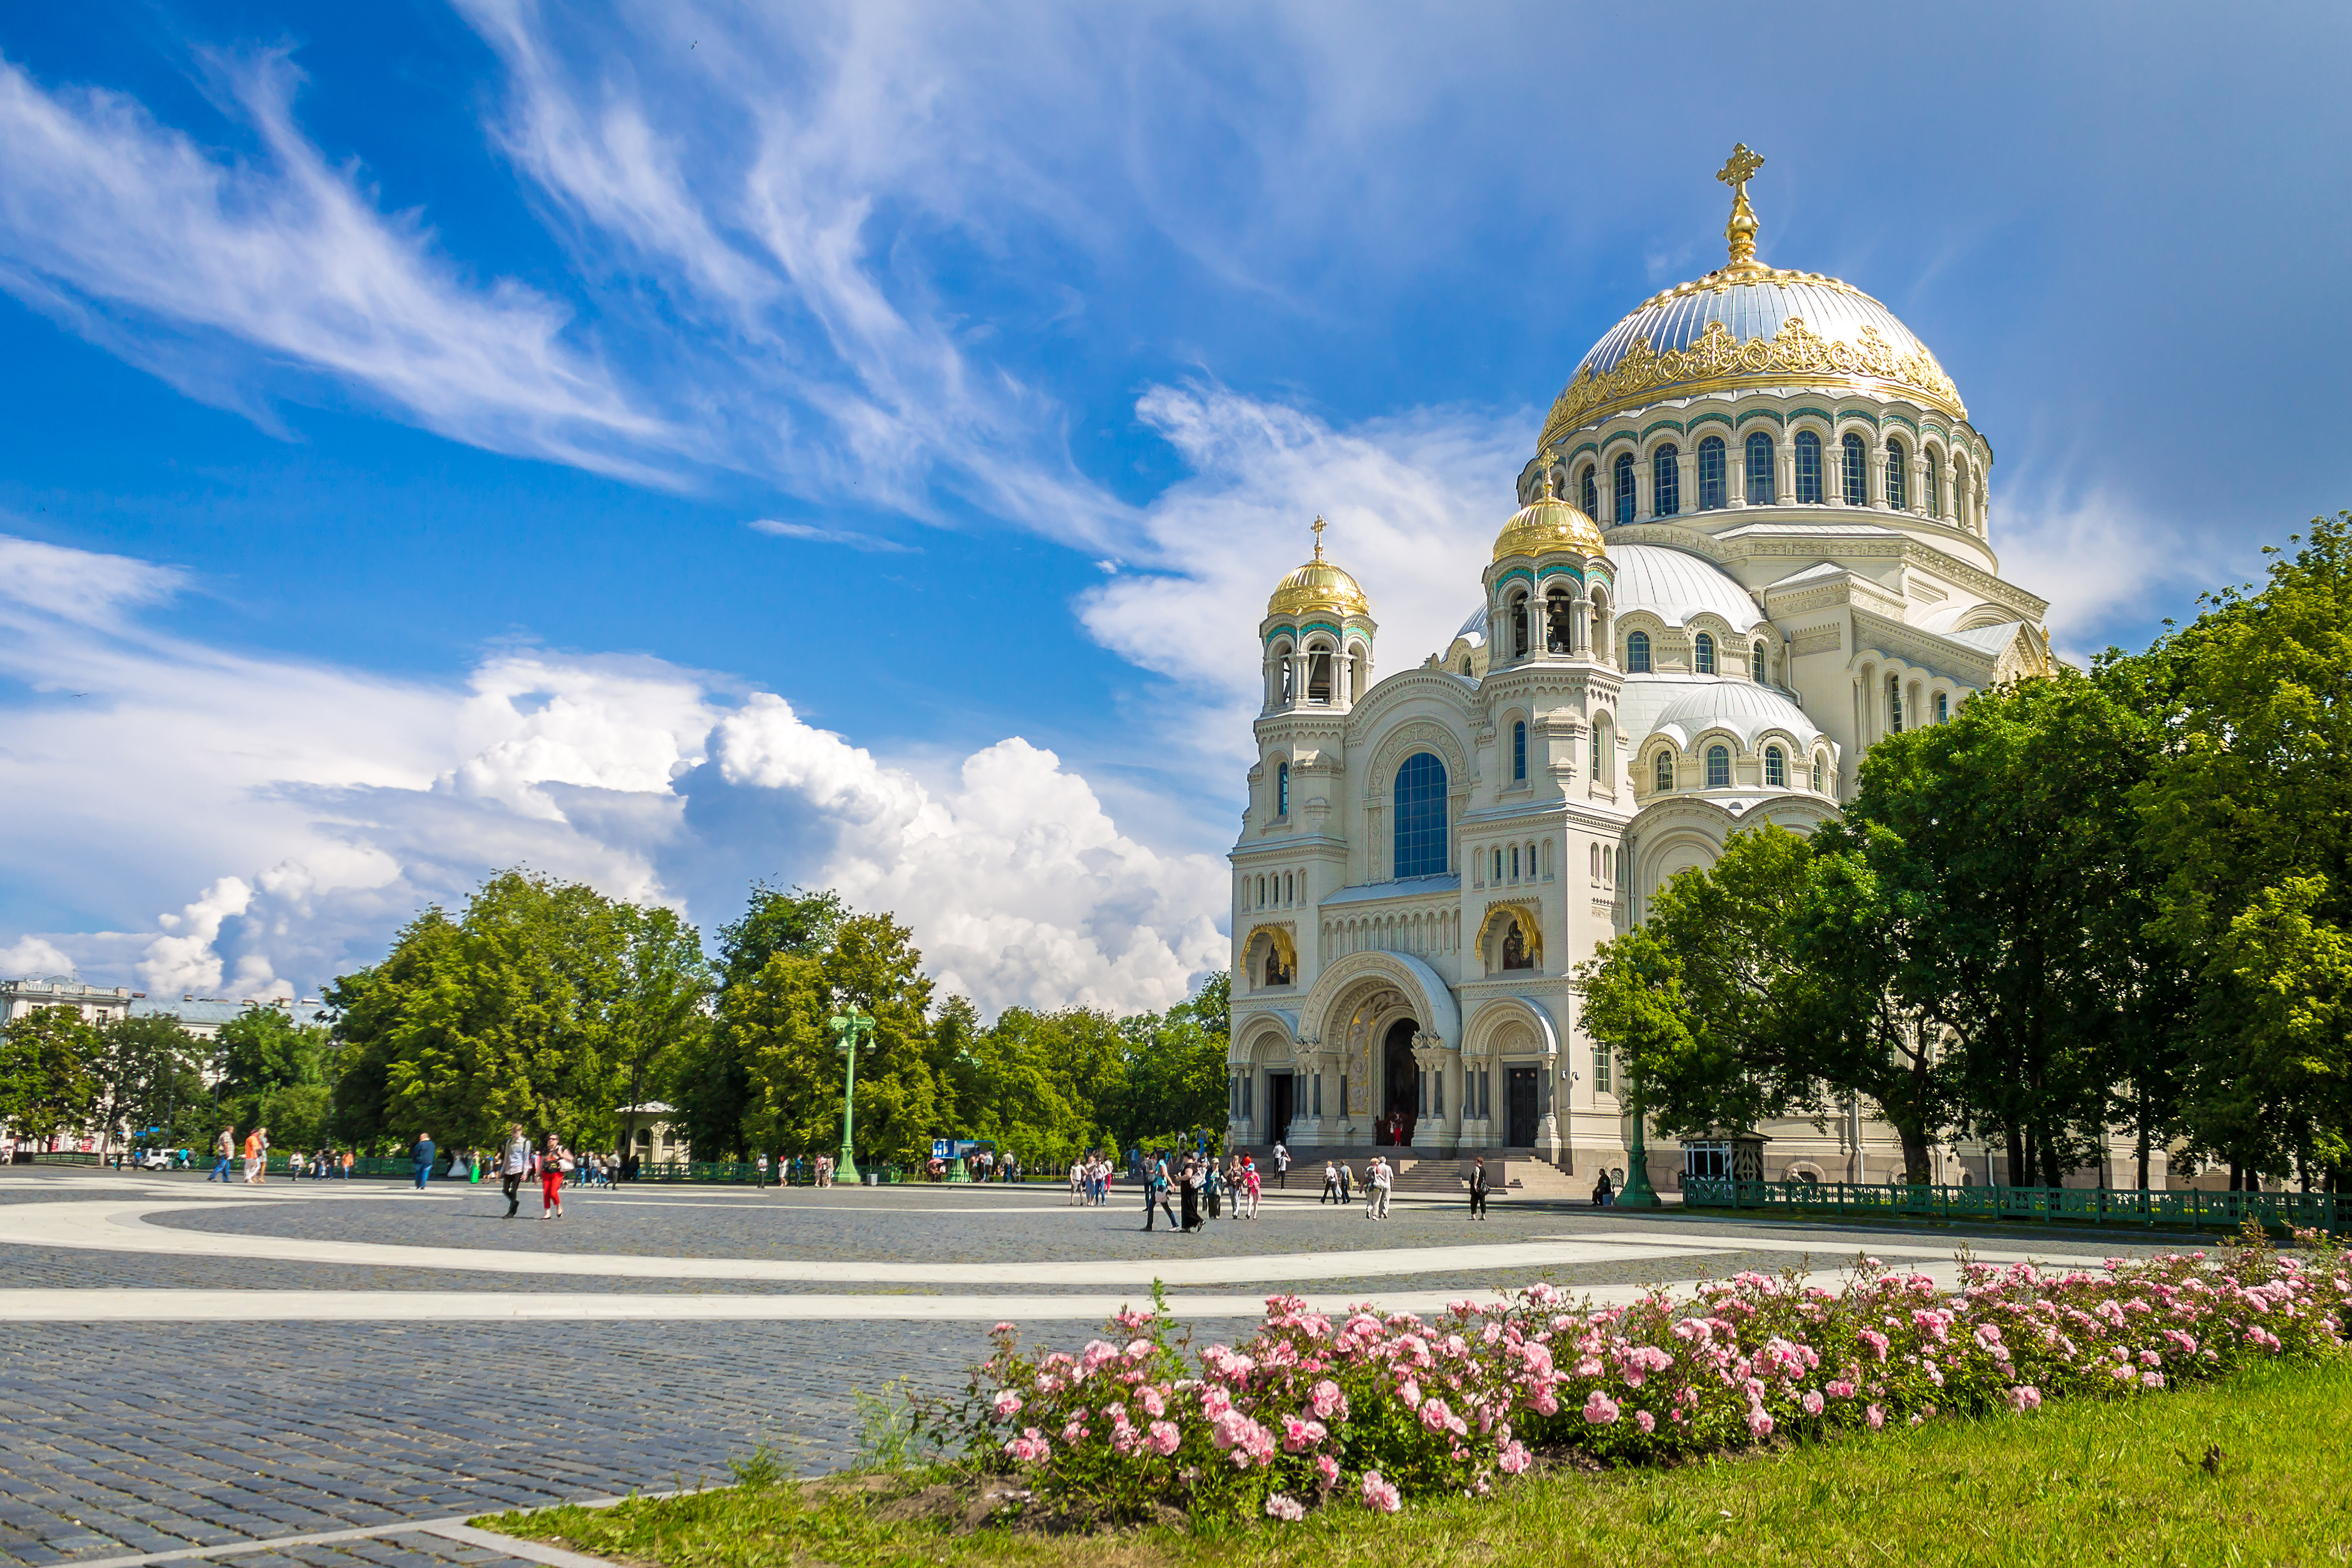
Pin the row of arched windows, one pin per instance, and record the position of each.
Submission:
(1715, 770)
(1499, 865)
(1565, 623)
(1275, 890)
(1326, 677)
(1705, 659)
(1760, 478)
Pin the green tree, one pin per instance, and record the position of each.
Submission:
(2294, 1058)
(714, 1083)
(47, 1081)
(259, 1057)
(148, 1076)
(663, 1014)
(1176, 1066)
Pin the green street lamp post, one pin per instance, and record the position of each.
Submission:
(849, 1027)
(1637, 1193)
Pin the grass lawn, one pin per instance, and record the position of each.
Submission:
(2254, 1470)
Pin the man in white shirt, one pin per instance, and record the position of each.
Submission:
(514, 1164)
(1281, 1163)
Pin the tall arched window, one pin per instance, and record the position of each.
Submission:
(1857, 470)
(1589, 492)
(1776, 768)
(1943, 706)
(1662, 772)
(1319, 674)
(1898, 477)
(1287, 684)
(1637, 653)
(1756, 663)
(1665, 481)
(1282, 788)
(1519, 625)
(1933, 501)
(1559, 622)
(1962, 511)
(1760, 470)
(1518, 751)
(1895, 705)
(1808, 469)
(1818, 770)
(1711, 487)
(1719, 768)
(1706, 656)
(1622, 478)
(1421, 816)
(1603, 745)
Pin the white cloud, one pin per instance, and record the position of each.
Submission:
(172, 255)
(34, 958)
(811, 532)
(2102, 563)
(289, 816)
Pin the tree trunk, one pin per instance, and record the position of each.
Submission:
(1915, 1155)
(2019, 1171)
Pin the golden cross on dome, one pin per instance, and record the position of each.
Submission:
(1741, 230)
(1318, 525)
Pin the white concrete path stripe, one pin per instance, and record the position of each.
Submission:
(529, 1551)
(454, 1527)
(123, 1226)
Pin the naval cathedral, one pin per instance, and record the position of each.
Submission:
(1754, 538)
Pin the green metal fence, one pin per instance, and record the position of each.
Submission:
(2092, 1205)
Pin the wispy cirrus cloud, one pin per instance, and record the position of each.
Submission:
(814, 534)
(236, 279)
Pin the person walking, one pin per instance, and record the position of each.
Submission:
(1188, 1200)
(1347, 1184)
(553, 1164)
(1478, 1186)
(223, 1151)
(1372, 1188)
(1330, 1184)
(514, 1164)
(1281, 1163)
(422, 1157)
(256, 1156)
(1156, 1194)
(1249, 1189)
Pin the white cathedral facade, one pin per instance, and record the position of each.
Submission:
(1754, 538)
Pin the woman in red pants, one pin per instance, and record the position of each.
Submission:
(552, 1163)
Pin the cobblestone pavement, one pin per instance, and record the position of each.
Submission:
(146, 1436)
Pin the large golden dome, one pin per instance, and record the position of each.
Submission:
(1549, 523)
(1746, 324)
(1319, 585)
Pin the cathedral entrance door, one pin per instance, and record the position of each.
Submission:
(1278, 1107)
(1522, 1119)
(1399, 1085)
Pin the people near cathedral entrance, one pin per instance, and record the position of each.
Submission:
(1478, 1186)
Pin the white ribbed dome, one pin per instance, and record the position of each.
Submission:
(1746, 709)
(1675, 586)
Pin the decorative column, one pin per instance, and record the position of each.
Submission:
(1686, 475)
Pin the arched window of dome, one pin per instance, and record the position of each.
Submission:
(1663, 770)
(1319, 674)
(1622, 480)
(1604, 750)
(1943, 706)
(1756, 663)
(1776, 768)
(1559, 622)
(1760, 470)
(1518, 751)
(1356, 672)
(1589, 492)
(1465, 665)
(1597, 635)
(1518, 620)
(1282, 789)
(1962, 512)
(1808, 469)
(1704, 661)
(1712, 487)
(1895, 705)
(1665, 481)
(1719, 768)
(1897, 488)
(1637, 653)
(1287, 674)
(1820, 766)
(1932, 503)
(1857, 470)
(1421, 816)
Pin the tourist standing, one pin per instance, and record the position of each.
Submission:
(1188, 1199)
(420, 1156)
(1249, 1188)
(1155, 1194)
(1478, 1186)
(223, 1151)
(514, 1164)
(257, 1155)
(552, 1163)
(1281, 1163)
(1347, 1184)
(1330, 1184)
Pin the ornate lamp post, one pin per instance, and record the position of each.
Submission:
(849, 1027)
(1637, 1193)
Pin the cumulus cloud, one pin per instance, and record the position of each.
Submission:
(2102, 564)
(33, 957)
(251, 827)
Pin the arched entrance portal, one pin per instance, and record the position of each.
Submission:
(1400, 1086)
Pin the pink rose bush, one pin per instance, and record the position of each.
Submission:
(1368, 1410)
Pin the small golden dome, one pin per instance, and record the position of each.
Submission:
(1549, 523)
(1319, 585)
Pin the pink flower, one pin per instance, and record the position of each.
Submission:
(1164, 1436)
(1876, 1415)
(1153, 1402)
(2025, 1396)
(1380, 1494)
(1599, 1408)
(1516, 1458)
(1002, 1329)
(1008, 1404)
(1299, 1435)
(2151, 1379)
(1644, 1420)
(1841, 1389)
(1759, 1421)
(1031, 1448)
(1328, 1468)
(1289, 1509)
(1328, 1401)
(1410, 1392)
(1812, 1403)
(1438, 1416)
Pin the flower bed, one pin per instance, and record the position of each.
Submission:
(1372, 1411)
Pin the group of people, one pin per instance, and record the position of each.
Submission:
(1340, 1185)
(549, 1165)
(1090, 1180)
(1197, 1189)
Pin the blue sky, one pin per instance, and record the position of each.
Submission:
(677, 444)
